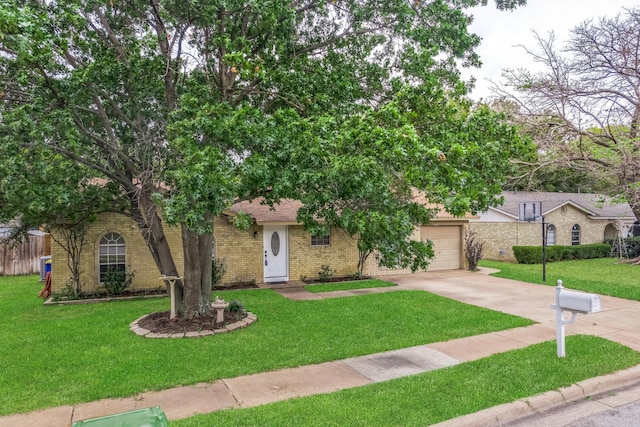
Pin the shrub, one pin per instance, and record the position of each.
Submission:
(633, 246)
(533, 254)
(473, 250)
(70, 291)
(356, 276)
(597, 250)
(116, 280)
(218, 268)
(326, 273)
(237, 308)
(528, 254)
(555, 253)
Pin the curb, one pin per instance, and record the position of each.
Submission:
(530, 407)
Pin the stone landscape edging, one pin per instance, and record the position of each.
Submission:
(240, 324)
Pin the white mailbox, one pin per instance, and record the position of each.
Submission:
(575, 302)
(579, 301)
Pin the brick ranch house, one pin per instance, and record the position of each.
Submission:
(276, 248)
(571, 219)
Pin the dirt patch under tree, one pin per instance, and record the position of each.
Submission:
(161, 323)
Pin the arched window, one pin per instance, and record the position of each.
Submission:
(551, 235)
(575, 235)
(610, 233)
(111, 254)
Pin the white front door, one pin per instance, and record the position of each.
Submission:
(276, 254)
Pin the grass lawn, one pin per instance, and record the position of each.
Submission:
(58, 355)
(347, 286)
(604, 276)
(439, 395)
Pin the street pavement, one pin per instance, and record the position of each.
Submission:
(607, 397)
(614, 408)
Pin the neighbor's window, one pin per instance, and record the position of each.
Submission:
(320, 239)
(575, 235)
(111, 254)
(551, 235)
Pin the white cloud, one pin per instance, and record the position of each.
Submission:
(502, 32)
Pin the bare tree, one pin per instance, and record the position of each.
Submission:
(473, 249)
(583, 109)
(71, 237)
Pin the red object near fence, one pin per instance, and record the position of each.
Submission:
(46, 292)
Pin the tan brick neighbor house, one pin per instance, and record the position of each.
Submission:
(570, 218)
(275, 248)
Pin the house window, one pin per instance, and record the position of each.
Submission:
(111, 254)
(575, 235)
(551, 235)
(320, 239)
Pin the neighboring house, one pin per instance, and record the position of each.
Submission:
(570, 219)
(276, 248)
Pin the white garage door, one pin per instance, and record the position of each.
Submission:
(447, 246)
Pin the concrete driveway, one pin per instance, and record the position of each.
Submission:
(618, 321)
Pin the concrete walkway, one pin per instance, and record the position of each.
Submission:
(619, 321)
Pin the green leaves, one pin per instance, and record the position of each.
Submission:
(348, 106)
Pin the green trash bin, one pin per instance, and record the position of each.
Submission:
(148, 417)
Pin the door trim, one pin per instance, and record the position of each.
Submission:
(283, 233)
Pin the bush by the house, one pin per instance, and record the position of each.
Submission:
(633, 246)
(473, 250)
(116, 280)
(218, 268)
(326, 273)
(596, 250)
(533, 254)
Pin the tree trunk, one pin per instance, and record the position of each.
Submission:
(362, 259)
(193, 292)
(150, 226)
(196, 296)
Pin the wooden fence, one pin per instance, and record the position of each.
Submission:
(25, 257)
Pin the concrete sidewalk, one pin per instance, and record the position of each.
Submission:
(619, 321)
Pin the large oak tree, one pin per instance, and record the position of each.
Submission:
(189, 106)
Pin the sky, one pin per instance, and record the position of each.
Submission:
(502, 32)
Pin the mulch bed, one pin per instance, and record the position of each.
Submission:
(160, 323)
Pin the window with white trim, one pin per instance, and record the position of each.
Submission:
(320, 239)
(575, 235)
(551, 235)
(111, 254)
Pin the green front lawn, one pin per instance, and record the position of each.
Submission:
(432, 397)
(604, 276)
(58, 355)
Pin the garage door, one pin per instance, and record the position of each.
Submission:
(447, 246)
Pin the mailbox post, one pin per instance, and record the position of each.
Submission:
(574, 302)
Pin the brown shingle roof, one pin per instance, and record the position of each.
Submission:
(285, 212)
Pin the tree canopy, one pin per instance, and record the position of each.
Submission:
(346, 105)
(583, 109)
